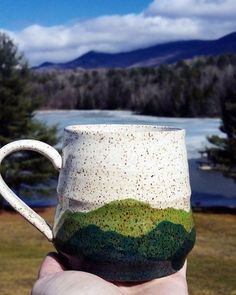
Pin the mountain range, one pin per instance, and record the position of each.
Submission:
(152, 56)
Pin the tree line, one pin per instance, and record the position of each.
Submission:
(190, 88)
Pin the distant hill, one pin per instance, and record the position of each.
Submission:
(149, 57)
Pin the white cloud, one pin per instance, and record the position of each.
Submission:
(162, 21)
(217, 9)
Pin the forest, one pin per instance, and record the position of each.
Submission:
(189, 88)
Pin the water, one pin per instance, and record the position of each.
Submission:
(209, 188)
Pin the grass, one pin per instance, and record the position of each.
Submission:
(22, 248)
(211, 265)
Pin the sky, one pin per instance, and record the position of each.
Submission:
(61, 30)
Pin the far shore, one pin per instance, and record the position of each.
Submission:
(9, 211)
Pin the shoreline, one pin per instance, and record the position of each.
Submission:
(8, 210)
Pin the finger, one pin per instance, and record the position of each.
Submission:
(182, 271)
(184, 268)
(50, 265)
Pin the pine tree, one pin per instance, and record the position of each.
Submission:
(223, 154)
(17, 122)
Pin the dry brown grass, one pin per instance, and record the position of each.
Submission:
(22, 248)
(211, 265)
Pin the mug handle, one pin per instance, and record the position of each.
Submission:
(29, 214)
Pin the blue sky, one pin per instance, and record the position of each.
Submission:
(18, 14)
(60, 30)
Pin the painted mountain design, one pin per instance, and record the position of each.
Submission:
(126, 240)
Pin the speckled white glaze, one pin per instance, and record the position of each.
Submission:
(102, 163)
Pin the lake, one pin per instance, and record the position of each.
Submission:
(209, 188)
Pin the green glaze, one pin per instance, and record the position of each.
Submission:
(165, 241)
(127, 217)
(126, 240)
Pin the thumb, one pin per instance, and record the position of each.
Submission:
(50, 265)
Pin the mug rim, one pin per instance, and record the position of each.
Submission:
(122, 128)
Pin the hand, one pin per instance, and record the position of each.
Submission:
(54, 280)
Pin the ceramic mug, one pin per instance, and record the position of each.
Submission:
(123, 208)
